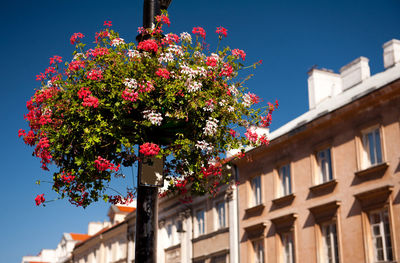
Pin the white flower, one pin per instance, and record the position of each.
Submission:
(222, 103)
(204, 146)
(154, 117)
(133, 53)
(233, 90)
(231, 109)
(117, 41)
(211, 127)
(185, 36)
(175, 49)
(198, 54)
(166, 57)
(78, 55)
(247, 100)
(130, 83)
(209, 106)
(193, 86)
(49, 83)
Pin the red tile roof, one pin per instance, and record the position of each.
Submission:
(79, 237)
(126, 209)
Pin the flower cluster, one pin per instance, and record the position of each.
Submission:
(39, 199)
(102, 164)
(103, 107)
(149, 149)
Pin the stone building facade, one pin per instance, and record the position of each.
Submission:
(327, 188)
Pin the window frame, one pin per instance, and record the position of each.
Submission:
(284, 237)
(219, 224)
(197, 228)
(256, 245)
(334, 244)
(383, 235)
(364, 153)
(319, 174)
(256, 191)
(285, 189)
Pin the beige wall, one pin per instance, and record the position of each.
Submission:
(339, 130)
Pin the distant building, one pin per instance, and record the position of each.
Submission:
(62, 254)
(327, 188)
(108, 244)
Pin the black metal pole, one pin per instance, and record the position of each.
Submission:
(147, 196)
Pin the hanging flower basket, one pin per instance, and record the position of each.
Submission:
(166, 97)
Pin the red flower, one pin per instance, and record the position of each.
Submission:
(232, 132)
(55, 59)
(102, 164)
(39, 199)
(94, 74)
(90, 102)
(75, 37)
(149, 149)
(162, 72)
(101, 34)
(84, 92)
(226, 71)
(199, 31)
(163, 19)
(130, 95)
(251, 136)
(148, 45)
(76, 65)
(221, 31)
(21, 132)
(108, 23)
(239, 53)
(40, 77)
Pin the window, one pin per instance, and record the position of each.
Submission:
(372, 153)
(200, 227)
(381, 237)
(330, 251)
(219, 259)
(221, 221)
(285, 180)
(258, 248)
(287, 247)
(256, 188)
(169, 234)
(324, 166)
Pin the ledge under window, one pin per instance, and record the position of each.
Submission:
(324, 186)
(212, 234)
(284, 199)
(378, 168)
(255, 209)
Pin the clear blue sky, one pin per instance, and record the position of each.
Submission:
(289, 36)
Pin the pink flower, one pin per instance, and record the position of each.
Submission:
(149, 149)
(239, 53)
(75, 37)
(251, 136)
(39, 199)
(84, 92)
(108, 23)
(199, 31)
(221, 31)
(101, 34)
(162, 72)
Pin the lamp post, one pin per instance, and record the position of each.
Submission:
(150, 171)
